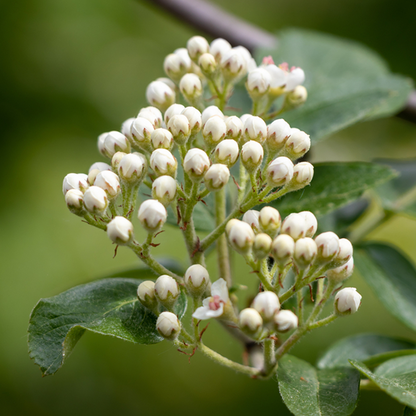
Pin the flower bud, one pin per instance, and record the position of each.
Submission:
(252, 155)
(251, 217)
(245, 53)
(116, 142)
(156, 113)
(262, 246)
(226, 152)
(283, 248)
(305, 252)
(194, 117)
(166, 290)
(266, 304)
(77, 181)
(341, 273)
(241, 237)
(216, 177)
(141, 131)
(207, 64)
(277, 134)
(258, 82)
(100, 144)
(233, 65)
(302, 175)
(108, 181)
(160, 95)
(269, 221)
(126, 128)
(184, 55)
(163, 162)
(278, 80)
(214, 130)
(74, 201)
(255, 129)
(164, 189)
(311, 223)
(93, 174)
(196, 163)
(120, 231)
(100, 166)
(347, 301)
(161, 139)
(197, 46)
(197, 280)
(285, 320)
(297, 144)
(180, 128)
(116, 159)
(235, 128)
(295, 226)
(344, 253)
(295, 77)
(250, 322)
(210, 111)
(168, 82)
(297, 97)
(245, 117)
(95, 200)
(150, 116)
(168, 325)
(175, 66)
(191, 87)
(132, 168)
(146, 294)
(328, 246)
(230, 224)
(152, 215)
(280, 171)
(219, 48)
(173, 110)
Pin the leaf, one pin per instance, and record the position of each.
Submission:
(107, 307)
(392, 278)
(148, 274)
(402, 388)
(361, 347)
(346, 82)
(309, 392)
(397, 367)
(408, 411)
(333, 186)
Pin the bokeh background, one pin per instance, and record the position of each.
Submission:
(72, 69)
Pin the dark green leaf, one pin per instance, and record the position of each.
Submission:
(397, 367)
(392, 278)
(361, 347)
(203, 218)
(402, 388)
(378, 359)
(309, 392)
(333, 186)
(408, 411)
(108, 307)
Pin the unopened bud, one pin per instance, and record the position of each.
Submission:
(266, 304)
(283, 247)
(163, 162)
(226, 152)
(197, 45)
(219, 48)
(152, 215)
(255, 129)
(216, 177)
(280, 171)
(252, 155)
(302, 176)
(141, 131)
(164, 189)
(126, 128)
(116, 159)
(150, 116)
(157, 115)
(339, 274)
(241, 237)
(347, 301)
(214, 130)
(74, 200)
(95, 200)
(160, 95)
(173, 110)
(258, 82)
(233, 65)
(166, 290)
(277, 134)
(230, 224)
(100, 166)
(305, 252)
(77, 181)
(311, 223)
(161, 139)
(116, 142)
(269, 221)
(295, 226)
(344, 252)
(100, 144)
(132, 168)
(285, 320)
(210, 111)
(250, 322)
(120, 231)
(168, 325)
(235, 128)
(191, 87)
(180, 128)
(108, 181)
(328, 246)
(197, 280)
(194, 117)
(207, 64)
(168, 82)
(262, 246)
(297, 97)
(196, 163)
(175, 66)
(146, 294)
(297, 144)
(251, 217)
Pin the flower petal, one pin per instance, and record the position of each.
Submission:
(202, 313)
(219, 288)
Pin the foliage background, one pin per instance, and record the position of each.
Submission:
(72, 69)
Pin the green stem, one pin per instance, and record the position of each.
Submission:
(269, 356)
(299, 306)
(242, 183)
(264, 278)
(96, 223)
(323, 322)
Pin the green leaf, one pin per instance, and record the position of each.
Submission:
(397, 367)
(144, 272)
(361, 347)
(408, 411)
(333, 186)
(346, 82)
(309, 392)
(402, 387)
(107, 307)
(202, 215)
(392, 277)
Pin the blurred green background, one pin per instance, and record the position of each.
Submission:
(72, 69)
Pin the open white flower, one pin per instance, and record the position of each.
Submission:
(213, 307)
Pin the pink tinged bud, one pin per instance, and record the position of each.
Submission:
(241, 237)
(285, 320)
(283, 247)
(280, 171)
(216, 177)
(267, 305)
(161, 139)
(141, 131)
(108, 181)
(277, 134)
(132, 168)
(196, 163)
(95, 200)
(258, 82)
(252, 155)
(194, 117)
(227, 152)
(347, 301)
(152, 215)
(163, 162)
(120, 230)
(214, 130)
(168, 326)
(295, 226)
(269, 221)
(219, 48)
(255, 129)
(267, 60)
(160, 95)
(78, 181)
(164, 189)
(298, 144)
(328, 246)
(210, 111)
(173, 110)
(311, 223)
(339, 274)
(251, 217)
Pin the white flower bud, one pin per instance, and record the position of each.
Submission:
(250, 321)
(302, 175)
(311, 223)
(294, 78)
(95, 200)
(245, 117)
(280, 171)
(168, 325)
(305, 252)
(173, 110)
(241, 237)
(297, 97)
(141, 131)
(194, 117)
(197, 279)
(258, 82)
(164, 189)
(163, 162)
(120, 231)
(252, 155)
(191, 87)
(108, 181)
(347, 301)
(269, 221)
(126, 128)
(150, 116)
(116, 142)
(207, 63)
(152, 215)
(294, 225)
(161, 139)
(77, 181)
(160, 95)
(266, 304)
(156, 112)
(233, 65)
(245, 53)
(235, 128)
(262, 246)
(100, 166)
(226, 152)
(297, 144)
(93, 174)
(277, 134)
(166, 290)
(100, 144)
(116, 159)
(344, 253)
(132, 168)
(283, 248)
(210, 111)
(251, 217)
(230, 224)
(74, 200)
(341, 273)
(328, 246)
(196, 163)
(180, 128)
(278, 79)
(285, 320)
(184, 55)
(219, 48)
(216, 177)
(214, 130)
(168, 82)
(175, 66)
(196, 46)
(255, 128)
(146, 294)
